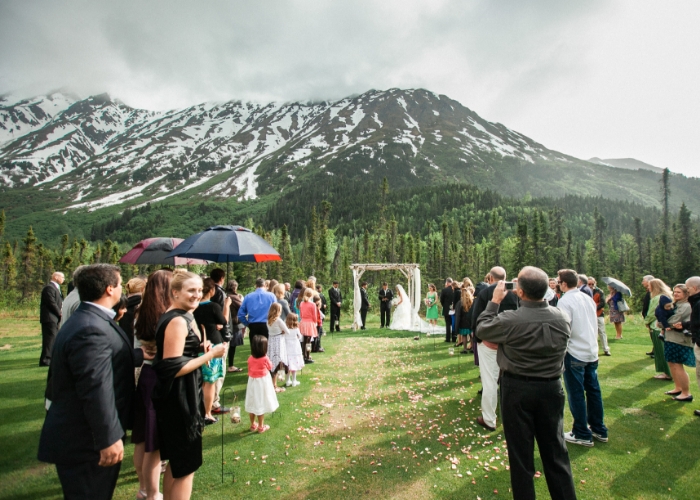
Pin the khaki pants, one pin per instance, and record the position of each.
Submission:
(601, 333)
(488, 367)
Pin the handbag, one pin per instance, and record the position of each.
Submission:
(622, 306)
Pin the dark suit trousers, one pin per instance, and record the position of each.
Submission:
(257, 329)
(535, 410)
(88, 481)
(386, 313)
(448, 328)
(335, 317)
(363, 316)
(48, 336)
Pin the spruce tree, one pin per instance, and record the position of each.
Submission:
(29, 264)
(685, 255)
(9, 268)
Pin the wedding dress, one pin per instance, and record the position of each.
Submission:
(401, 317)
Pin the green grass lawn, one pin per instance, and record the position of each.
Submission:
(380, 415)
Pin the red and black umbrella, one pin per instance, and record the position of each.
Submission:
(157, 251)
(226, 244)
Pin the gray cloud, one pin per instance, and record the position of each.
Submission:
(537, 66)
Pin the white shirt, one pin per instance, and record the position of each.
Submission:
(109, 312)
(583, 344)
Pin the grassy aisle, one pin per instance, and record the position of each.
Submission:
(380, 415)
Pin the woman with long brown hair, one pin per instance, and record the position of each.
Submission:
(657, 289)
(177, 397)
(155, 301)
(463, 317)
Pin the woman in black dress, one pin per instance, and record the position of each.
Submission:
(177, 396)
(237, 328)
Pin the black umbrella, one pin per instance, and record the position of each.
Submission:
(618, 285)
(226, 244)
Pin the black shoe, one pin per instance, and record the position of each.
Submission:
(337, 329)
(220, 410)
(650, 353)
(465, 352)
(480, 421)
(363, 328)
(210, 421)
(607, 353)
(308, 361)
(696, 413)
(480, 391)
(689, 399)
(321, 349)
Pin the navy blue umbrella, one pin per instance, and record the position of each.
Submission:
(226, 244)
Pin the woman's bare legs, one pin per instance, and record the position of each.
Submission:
(209, 391)
(618, 331)
(150, 471)
(177, 489)
(680, 378)
(139, 450)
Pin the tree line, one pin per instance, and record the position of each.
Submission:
(450, 230)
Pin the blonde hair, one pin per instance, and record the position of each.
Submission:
(179, 278)
(684, 289)
(658, 287)
(274, 313)
(308, 293)
(467, 297)
(279, 291)
(135, 285)
(292, 320)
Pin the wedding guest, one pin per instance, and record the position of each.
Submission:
(237, 328)
(431, 302)
(446, 300)
(211, 319)
(463, 317)
(295, 358)
(134, 289)
(155, 301)
(50, 315)
(260, 397)
(692, 326)
(271, 285)
(645, 306)
(287, 293)
(336, 298)
(599, 299)
(553, 285)
(456, 299)
(253, 310)
(92, 388)
(120, 308)
(657, 289)
(177, 396)
(678, 347)
(277, 344)
(72, 300)
(279, 293)
(316, 343)
(617, 317)
(309, 322)
(294, 297)
(583, 285)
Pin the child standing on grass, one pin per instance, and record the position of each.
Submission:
(260, 397)
(309, 322)
(295, 358)
(277, 345)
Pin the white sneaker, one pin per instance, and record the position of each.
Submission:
(570, 438)
(289, 383)
(296, 383)
(602, 439)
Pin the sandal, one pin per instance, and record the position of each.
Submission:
(280, 389)
(662, 376)
(233, 369)
(264, 428)
(253, 427)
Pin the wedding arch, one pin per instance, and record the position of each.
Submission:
(412, 274)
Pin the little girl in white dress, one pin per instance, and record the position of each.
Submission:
(295, 358)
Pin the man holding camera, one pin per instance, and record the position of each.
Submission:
(532, 344)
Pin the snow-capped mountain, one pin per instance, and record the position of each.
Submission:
(100, 152)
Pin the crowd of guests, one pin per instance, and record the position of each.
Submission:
(151, 356)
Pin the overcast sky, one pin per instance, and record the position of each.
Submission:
(612, 79)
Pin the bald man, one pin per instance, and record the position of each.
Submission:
(50, 315)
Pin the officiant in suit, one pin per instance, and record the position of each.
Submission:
(364, 304)
(446, 300)
(50, 315)
(92, 382)
(336, 299)
(385, 298)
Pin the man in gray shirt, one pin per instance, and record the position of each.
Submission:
(532, 345)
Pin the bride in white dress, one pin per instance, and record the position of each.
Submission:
(401, 318)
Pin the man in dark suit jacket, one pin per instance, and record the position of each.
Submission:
(50, 316)
(364, 304)
(336, 299)
(583, 285)
(446, 300)
(92, 383)
(385, 298)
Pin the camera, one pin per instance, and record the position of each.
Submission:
(509, 285)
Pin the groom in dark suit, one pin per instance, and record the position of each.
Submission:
(336, 299)
(50, 316)
(364, 304)
(92, 387)
(385, 298)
